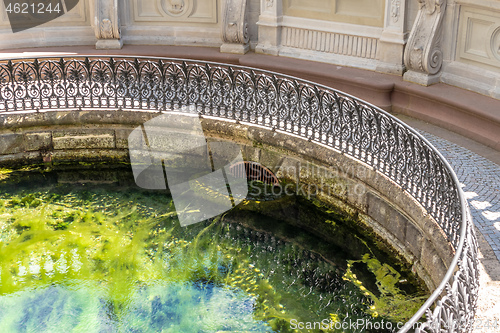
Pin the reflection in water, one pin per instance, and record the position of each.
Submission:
(113, 258)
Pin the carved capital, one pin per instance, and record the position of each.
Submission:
(107, 22)
(234, 22)
(423, 51)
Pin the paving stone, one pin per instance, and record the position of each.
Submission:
(481, 179)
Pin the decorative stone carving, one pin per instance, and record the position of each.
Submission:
(234, 27)
(395, 4)
(174, 7)
(329, 42)
(423, 56)
(107, 25)
(495, 43)
(160, 12)
(106, 30)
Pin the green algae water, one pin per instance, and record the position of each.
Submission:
(88, 251)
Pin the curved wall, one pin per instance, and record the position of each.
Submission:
(379, 204)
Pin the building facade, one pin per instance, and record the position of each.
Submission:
(425, 41)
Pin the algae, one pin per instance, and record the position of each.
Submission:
(87, 257)
(390, 302)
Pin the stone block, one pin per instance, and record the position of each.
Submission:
(270, 159)
(89, 155)
(432, 263)
(387, 216)
(397, 223)
(109, 44)
(439, 239)
(289, 169)
(37, 141)
(121, 136)
(413, 239)
(83, 139)
(250, 153)
(11, 143)
(234, 48)
(377, 209)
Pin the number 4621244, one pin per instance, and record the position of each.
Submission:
(32, 8)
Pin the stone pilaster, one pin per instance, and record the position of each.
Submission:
(423, 56)
(234, 27)
(107, 24)
(393, 39)
(270, 21)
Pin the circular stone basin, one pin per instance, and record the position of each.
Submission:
(86, 250)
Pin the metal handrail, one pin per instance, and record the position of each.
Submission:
(279, 102)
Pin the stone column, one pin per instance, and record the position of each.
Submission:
(107, 24)
(234, 27)
(393, 39)
(423, 56)
(270, 21)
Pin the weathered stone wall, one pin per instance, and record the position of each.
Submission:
(381, 205)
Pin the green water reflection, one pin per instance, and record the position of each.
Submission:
(110, 257)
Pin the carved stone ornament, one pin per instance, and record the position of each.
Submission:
(423, 51)
(175, 7)
(495, 43)
(395, 7)
(234, 24)
(106, 29)
(107, 24)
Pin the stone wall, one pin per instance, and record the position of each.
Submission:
(381, 206)
(191, 22)
(472, 48)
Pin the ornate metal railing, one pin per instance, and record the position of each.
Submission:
(314, 112)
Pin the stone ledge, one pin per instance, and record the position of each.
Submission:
(83, 138)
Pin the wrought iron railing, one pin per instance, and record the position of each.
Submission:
(314, 112)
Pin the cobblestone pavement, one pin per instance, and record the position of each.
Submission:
(480, 180)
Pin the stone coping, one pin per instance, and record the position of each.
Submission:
(468, 113)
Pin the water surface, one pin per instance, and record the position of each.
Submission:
(88, 251)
